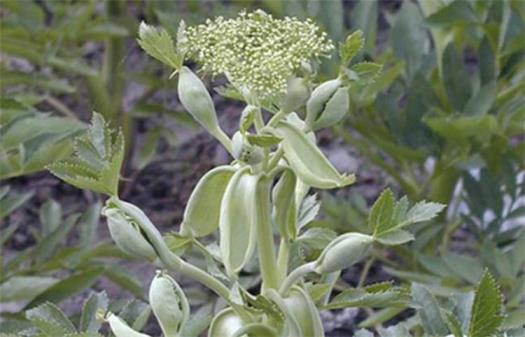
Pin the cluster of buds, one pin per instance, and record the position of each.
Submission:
(255, 50)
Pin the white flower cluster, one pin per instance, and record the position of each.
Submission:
(256, 51)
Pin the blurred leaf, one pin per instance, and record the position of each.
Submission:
(468, 268)
(456, 80)
(464, 128)
(50, 216)
(429, 311)
(481, 102)
(374, 296)
(68, 286)
(24, 288)
(50, 320)
(367, 72)
(364, 17)
(95, 303)
(456, 12)
(11, 202)
(50, 243)
(12, 78)
(88, 224)
(148, 150)
(409, 38)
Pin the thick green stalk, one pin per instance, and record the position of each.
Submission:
(282, 259)
(265, 244)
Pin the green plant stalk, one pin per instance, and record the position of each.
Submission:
(282, 259)
(265, 244)
(331, 280)
(295, 276)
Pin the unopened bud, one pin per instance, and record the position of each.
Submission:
(335, 110)
(343, 252)
(244, 151)
(319, 99)
(296, 95)
(169, 304)
(197, 100)
(128, 235)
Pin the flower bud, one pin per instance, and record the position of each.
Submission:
(169, 304)
(343, 252)
(196, 99)
(296, 94)
(319, 99)
(121, 328)
(244, 151)
(335, 109)
(225, 324)
(303, 309)
(128, 235)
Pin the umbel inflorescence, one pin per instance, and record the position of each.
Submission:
(256, 51)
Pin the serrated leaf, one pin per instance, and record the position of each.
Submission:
(158, 43)
(424, 211)
(486, 315)
(374, 296)
(353, 44)
(96, 162)
(381, 213)
(96, 302)
(50, 319)
(367, 71)
(396, 237)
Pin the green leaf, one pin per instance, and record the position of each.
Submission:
(481, 102)
(409, 38)
(424, 211)
(18, 288)
(429, 311)
(97, 160)
(50, 216)
(381, 212)
(457, 12)
(96, 303)
(375, 296)
(367, 71)
(12, 202)
(396, 237)
(364, 17)
(50, 320)
(467, 268)
(486, 315)
(456, 79)
(353, 44)
(68, 287)
(157, 43)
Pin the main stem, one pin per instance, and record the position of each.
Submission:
(265, 244)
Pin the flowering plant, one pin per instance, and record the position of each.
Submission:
(263, 193)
